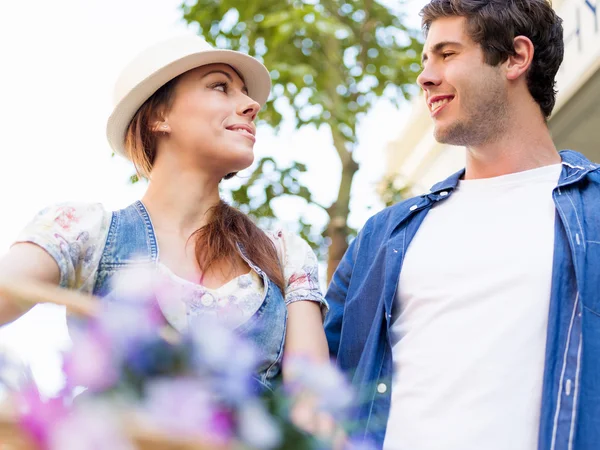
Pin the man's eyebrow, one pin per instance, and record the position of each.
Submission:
(229, 77)
(437, 48)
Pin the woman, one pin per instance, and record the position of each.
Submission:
(185, 116)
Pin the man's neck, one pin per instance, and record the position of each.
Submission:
(525, 145)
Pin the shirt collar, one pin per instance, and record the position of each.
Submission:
(575, 167)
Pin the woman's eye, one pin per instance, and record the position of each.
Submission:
(221, 86)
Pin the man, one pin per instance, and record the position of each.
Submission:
(469, 318)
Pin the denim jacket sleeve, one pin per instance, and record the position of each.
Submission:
(336, 298)
(337, 294)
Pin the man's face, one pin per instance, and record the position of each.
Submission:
(466, 97)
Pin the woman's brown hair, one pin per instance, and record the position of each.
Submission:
(218, 240)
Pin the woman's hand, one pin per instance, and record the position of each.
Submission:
(306, 416)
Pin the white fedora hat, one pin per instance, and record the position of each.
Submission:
(157, 65)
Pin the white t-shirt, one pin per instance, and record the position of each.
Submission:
(473, 297)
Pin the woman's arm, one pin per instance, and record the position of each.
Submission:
(60, 246)
(24, 261)
(305, 336)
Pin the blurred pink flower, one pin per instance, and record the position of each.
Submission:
(89, 427)
(37, 417)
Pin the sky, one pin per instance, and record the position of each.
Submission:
(59, 62)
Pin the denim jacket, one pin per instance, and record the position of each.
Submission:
(131, 241)
(362, 293)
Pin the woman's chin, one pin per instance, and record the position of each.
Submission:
(243, 161)
(238, 166)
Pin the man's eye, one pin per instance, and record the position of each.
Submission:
(447, 54)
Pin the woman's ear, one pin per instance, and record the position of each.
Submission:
(519, 63)
(161, 126)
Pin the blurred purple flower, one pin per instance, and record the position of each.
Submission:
(124, 323)
(90, 362)
(360, 444)
(131, 312)
(135, 284)
(185, 407)
(154, 357)
(225, 356)
(202, 386)
(322, 380)
(257, 428)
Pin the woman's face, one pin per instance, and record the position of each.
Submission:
(210, 124)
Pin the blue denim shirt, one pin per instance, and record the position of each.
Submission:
(131, 241)
(362, 293)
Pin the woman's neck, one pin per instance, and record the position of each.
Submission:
(180, 202)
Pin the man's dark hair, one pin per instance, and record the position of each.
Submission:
(493, 24)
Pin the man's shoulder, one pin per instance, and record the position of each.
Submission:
(391, 215)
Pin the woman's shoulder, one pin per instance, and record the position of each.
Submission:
(67, 222)
(281, 237)
(300, 267)
(73, 234)
(71, 216)
(291, 247)
(69, 208)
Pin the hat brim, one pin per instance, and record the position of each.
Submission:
(255, 75)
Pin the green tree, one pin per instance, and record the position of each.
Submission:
(330, 61)
(390, 193)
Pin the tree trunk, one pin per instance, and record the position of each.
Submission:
(337, 229)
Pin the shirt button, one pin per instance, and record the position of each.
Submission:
(381, 388)
(443, 193)
(413, 207)
(568, 384)
(207, 299)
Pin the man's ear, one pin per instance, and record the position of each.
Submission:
(519, 63)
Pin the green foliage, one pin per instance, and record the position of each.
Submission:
(391, 194)
(270, 181)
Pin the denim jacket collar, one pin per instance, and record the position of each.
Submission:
(575, 167)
